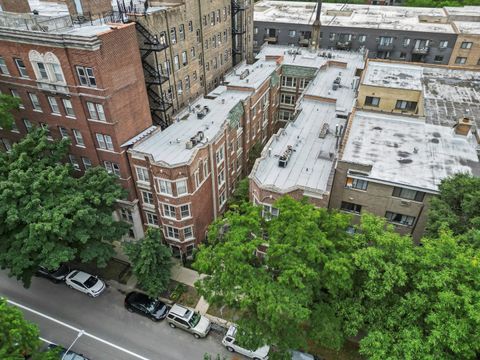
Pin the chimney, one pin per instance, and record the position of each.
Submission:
(463, 126)
(17, 6)
(88, 7)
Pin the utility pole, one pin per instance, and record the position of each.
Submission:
(315, 40)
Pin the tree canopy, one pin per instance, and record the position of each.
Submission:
(19, 337)
(48, 216)
(151, 262)
(314, 281)
(7, 104)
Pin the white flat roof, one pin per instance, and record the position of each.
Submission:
(407, 151)
(468, 27)
(311, 164)
(168, 147)
(257, 74)
(393, 75)
(49, 8)
(353, 15)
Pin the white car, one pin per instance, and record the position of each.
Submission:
(86, 283)
(229, 342)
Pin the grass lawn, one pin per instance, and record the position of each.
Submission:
(181, 293)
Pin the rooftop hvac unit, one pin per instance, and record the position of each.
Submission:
(189, 145)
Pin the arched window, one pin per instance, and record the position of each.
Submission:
(46, 67)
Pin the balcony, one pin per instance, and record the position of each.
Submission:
(385, 46)
(271, 39)
(422, 50)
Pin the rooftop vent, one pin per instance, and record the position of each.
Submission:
(194, 140)
(463, 126)
(244, 74)
(285, 157)
(323, 131)
(201, 113)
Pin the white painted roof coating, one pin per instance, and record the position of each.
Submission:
(408, 151)
(48, 8)
(468, 27)
(353, 15)
(168, 147)
(257, 74)
(393, 75)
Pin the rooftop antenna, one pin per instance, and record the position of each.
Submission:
(315, 41)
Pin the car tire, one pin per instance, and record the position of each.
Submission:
(172, 325)
(129, 309)
(196, 336)
(70, 286)
(229, 348)
(90, 295)
(256, 359)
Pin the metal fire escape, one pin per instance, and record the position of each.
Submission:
(154, 79)
(238, 30)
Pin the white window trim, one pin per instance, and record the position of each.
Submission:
(164, 214)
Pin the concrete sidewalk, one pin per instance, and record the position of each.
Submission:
(185, 275)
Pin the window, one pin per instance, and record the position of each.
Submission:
(176, 62)
(42, 71)
(288, 81)
(63, 132)
(438, 58)
(47, 129)
(67, 104)
(268, 211)
(466, 45)
(205, 169)
(152, 218)
(287, 99)
(351, 207)
(222, 198)
(372, 101)
(87, 164)
(142, 174)
(188, 233)
(197, 33)
(173, 35)
(406, 105)
(185, 211)
(112, 168)
(6, 144)
(147, 197)
(388, 40)
(362, 39)
(57, 71)
(17, 95)
(14, 127)
(403, 55)
(35, 102)
(104, 141)
(96, 111)
(408, 194)
(460, 60)
(86, 76)
(169, 211)
(126, 215)
(406, 42)
(331, 36)
(219, 156)
(28, 125)
(78, 137)
(184, 58)
(197, 179)
(400, 219)
(194, 76)
(171, 232)
(221, 178)
(181, 187)
(3, 67)
(212, 18)
(179, 87)
(190, 26)
(357, 184)
(74, 162)
(443, 44)
(292, 33)
(181, 31)
(21, 68)
(187, 82)
(165, 187)
(255, 30)
(192, 52)
(54, 105)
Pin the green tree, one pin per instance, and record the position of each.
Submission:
(240, 194)
(19, 337)
(47, 216)
(414, 302)
(283, 297)
(151, 262)
(457, 207)
(7, 105)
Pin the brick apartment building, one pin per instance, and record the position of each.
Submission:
(67, 78)
(428, 35)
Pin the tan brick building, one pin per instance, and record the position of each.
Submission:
(68, 81)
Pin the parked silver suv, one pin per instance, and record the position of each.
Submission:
(188, 320)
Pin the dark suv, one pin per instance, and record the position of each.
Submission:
(140, 303)
(56, 275)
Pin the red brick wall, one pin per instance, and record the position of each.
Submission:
(18, 6)
(93, 7)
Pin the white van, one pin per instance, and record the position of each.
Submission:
(188, 320)
(229, 342)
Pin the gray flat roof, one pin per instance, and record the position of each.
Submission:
(257, 74)
(407, 151)
(168, 147)
(353, 15)
(468, 27)
(394, 75)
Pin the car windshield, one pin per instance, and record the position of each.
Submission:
(152, 305)
(195, 319)
(91, 281)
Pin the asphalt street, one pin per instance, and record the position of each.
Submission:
(111, 332)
